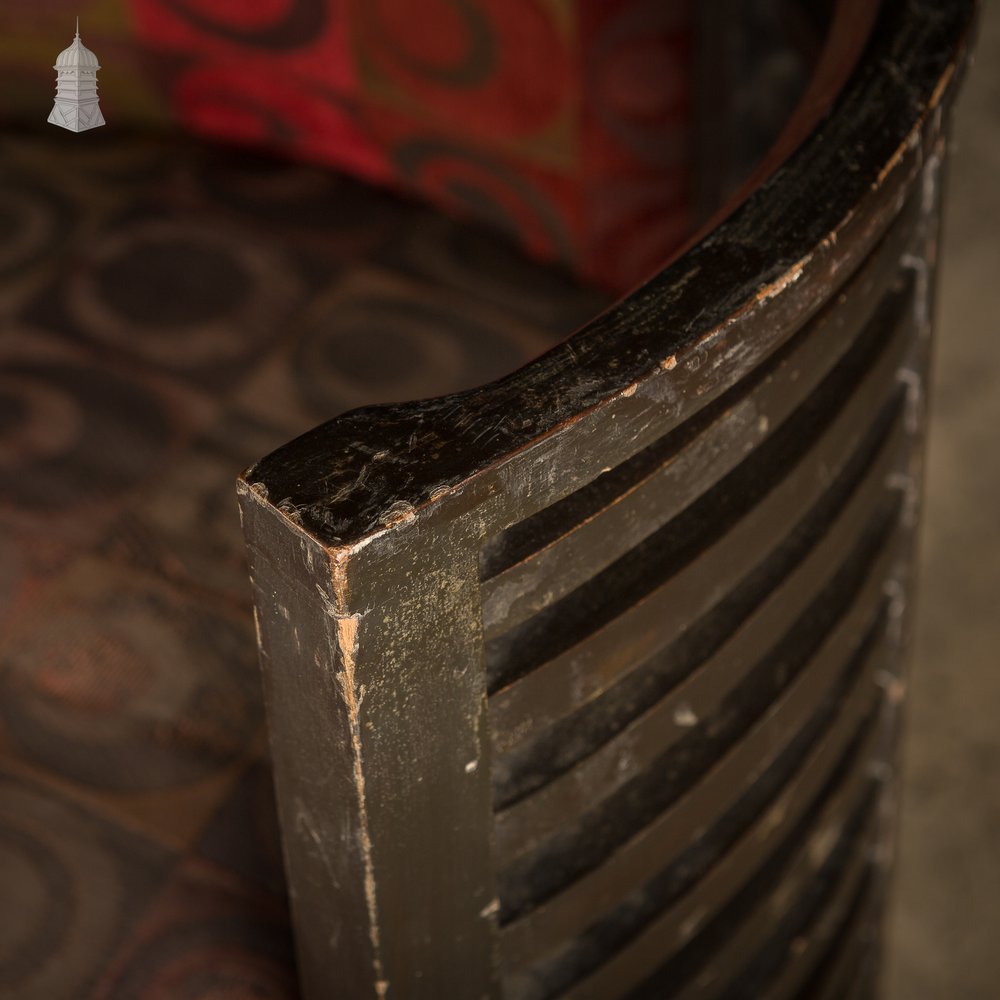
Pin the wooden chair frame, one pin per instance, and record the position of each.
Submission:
(415, 566)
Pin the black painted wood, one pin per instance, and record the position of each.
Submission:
(814, 218)
(586, 682)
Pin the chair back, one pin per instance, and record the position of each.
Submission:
(586, 682)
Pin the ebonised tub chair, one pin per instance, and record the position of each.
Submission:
(587, 682)
(582, 683)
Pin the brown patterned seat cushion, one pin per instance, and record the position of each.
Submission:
(170, 313)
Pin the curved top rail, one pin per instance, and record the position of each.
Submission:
(771, 260)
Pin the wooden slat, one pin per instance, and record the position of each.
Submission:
(636, 746)
(697, 697)
(633, 964)
(831, 930)
(584, 671)
(530, 938)
(754, 934)
(881, 456)
(841, 970)
(566, 914)
(593, 544)
(863, 985)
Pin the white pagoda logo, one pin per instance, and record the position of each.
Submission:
(76, 106)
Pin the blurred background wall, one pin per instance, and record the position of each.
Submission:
(945, 928)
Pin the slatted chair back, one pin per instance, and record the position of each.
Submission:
(586, 683)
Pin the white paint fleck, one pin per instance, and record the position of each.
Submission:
(684, 716)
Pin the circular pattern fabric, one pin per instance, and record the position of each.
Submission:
(181, 295)
(72, 883)
(73, 433)
(34, 220)
(381, 344)
(639, 79)
(240, 103)
(130, 689)
(488, 68)
(225, 958)
(483, 187)
(273, 25)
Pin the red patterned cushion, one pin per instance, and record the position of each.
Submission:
(563, 121)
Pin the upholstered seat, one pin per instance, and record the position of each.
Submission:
(171, 311)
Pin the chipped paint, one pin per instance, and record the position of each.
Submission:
(684, 717)
(781, 284)
(256, 628)
(911, 143)
(398, 512)
(347, 645)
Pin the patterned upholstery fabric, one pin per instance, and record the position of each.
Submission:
(565, 122)
(169, 313)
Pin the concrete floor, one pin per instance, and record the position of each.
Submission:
(944, 937)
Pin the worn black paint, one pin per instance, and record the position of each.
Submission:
(347, 477)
